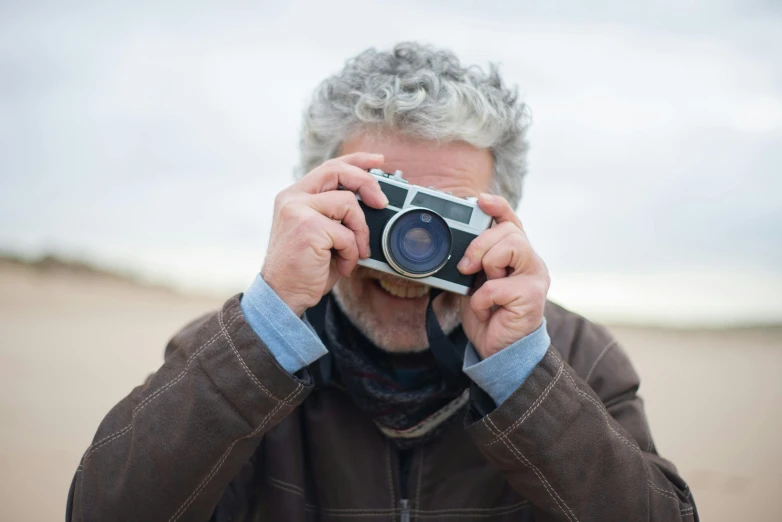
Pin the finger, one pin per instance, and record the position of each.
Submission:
(497, 292)
(471, 262)
(343, 241)
(336, 173)
(343, 206)
(363, 160)
(498, 208)
(512, 252)
(348, 174)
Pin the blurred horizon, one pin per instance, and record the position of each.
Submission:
(152, 138)
(51, 264)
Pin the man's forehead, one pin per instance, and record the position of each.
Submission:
(447, 165)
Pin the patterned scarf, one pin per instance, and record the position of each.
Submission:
(404, 394)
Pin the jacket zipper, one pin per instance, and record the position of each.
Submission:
(404, 510)
(405, 461)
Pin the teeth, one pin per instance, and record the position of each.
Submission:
(407, 291)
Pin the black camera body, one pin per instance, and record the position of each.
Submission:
(423, 233)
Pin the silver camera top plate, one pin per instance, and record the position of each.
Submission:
(478, 220)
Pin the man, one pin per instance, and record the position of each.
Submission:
(288, 405)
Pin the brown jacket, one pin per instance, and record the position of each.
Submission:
(221, 432)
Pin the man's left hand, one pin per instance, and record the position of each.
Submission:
(509, 305)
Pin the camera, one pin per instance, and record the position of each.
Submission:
(423, 233)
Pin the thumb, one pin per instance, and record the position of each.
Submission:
(333, 276)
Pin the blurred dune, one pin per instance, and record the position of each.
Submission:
(74, 341)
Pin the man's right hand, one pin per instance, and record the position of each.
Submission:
(312, 221)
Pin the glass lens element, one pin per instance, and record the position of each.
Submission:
(418, 243)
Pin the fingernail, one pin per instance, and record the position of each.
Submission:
(369, 252)
(385, 200)
(487, 196)
(464, 263)
(378, 156)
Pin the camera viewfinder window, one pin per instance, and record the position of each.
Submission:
(445, 208)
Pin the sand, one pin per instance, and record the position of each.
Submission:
(72, 345)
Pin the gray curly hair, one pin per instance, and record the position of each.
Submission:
(425, 93)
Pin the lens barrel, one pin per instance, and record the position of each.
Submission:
(417, 242)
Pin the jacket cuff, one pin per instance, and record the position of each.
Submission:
(531, 398)
(502, 373)
(262, 372)
(290, 339)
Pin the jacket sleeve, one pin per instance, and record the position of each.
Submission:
(169, 449)
(577, 455)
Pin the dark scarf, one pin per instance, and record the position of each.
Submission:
(405, 394)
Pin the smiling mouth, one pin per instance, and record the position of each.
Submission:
(405, 291)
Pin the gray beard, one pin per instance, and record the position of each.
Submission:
(367, 324)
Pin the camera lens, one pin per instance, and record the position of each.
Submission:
(417, 243)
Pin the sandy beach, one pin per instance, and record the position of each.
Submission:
(72, 345)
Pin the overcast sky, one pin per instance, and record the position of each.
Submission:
(154, 137)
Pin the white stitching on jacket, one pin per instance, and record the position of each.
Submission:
(433, 513)
(358, 514)
(601, 409)
(246, 368)
(179, 512)
(282, 484)
(493, 511)
(511, 509)
(367, 511)
(479, 513)
(157, 393)
(195, 354)
(532, 408)
(600, 356)
(521, 458)
(663, 492)
(612, 343)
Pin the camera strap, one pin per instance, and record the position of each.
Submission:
(321, 369)
(448, 351)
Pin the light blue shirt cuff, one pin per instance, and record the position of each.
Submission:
(292, 341)
(502, 373)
